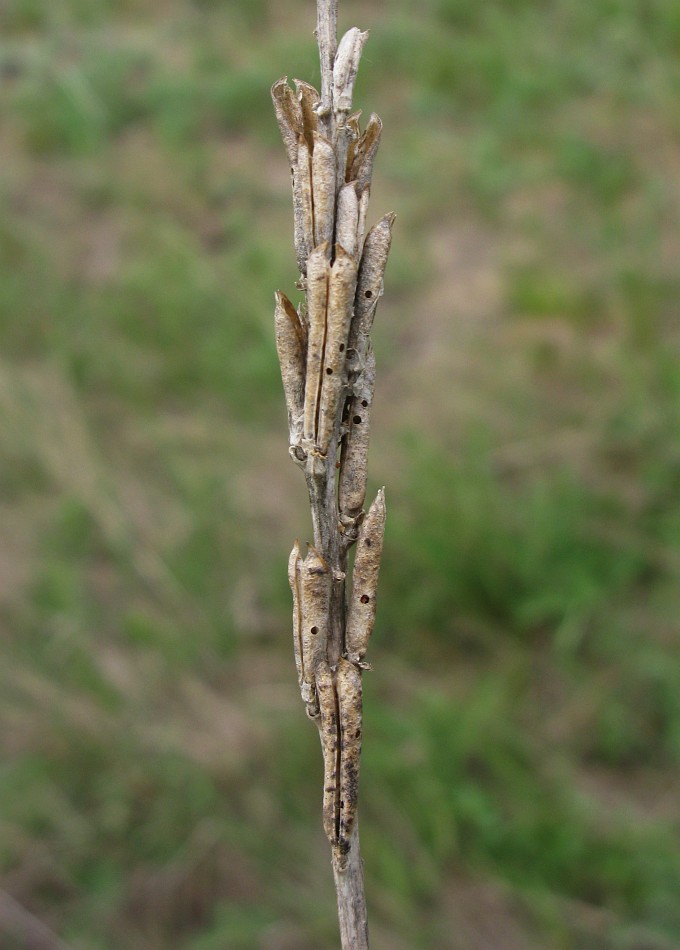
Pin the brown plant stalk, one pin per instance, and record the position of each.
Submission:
(328, 373)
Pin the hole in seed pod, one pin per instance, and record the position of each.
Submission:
(368, 294)
(341, 347)
(356, 420)
(367, 542)
(365, 598)
(329, 371)
(364, 403)
(314, 630)
(357, 734)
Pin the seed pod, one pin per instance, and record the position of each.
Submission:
(353, 136)
(347, 218)
(330, 745)
(361, 614)
(318, 270)
(348, 688)
(370, 282)
(308, 100)
(289, 117)
(366, 150)
(291, 345)
(298, 224)
(353, 459)
(294, 568)
(340, 297)
(364, 197)
(314, 588)
(323, 189)
(345, 68)
(303, 205)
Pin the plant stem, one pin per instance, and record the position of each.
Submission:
(328, 373)
(349, 886)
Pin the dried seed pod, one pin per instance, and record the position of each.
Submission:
(302, 317)
(308, 101)
(348, 689)
(345, 68)
(294, 568)
(303, 204)
(323, 189)
(314, 590)
(291, 346)
(354, 456)
(353, 135)
(341, 288)
(361, 614)
(298, 224)
(366, 150)
(318, 270)
(370, 282)
(330, 745)
(364, 197)
(347, 218)
(289, 117)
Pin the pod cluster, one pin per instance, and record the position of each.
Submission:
(328, 373)
(324, 346)
(332, 695)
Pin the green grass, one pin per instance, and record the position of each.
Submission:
(159, 785)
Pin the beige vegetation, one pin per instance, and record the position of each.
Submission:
(522, 724)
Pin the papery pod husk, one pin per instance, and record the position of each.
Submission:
(289, 117)
(303, 209)
(291, 346)
(314, 590)
(353, 136)
(362, 602)
(294, 569)
(365, 151)
(323, 189)
(354, 454)
(347, 219)
(345, 68)
(348, 688)
(370, 280)
(318, 270)
(330, 745)
(364, 196)
(341, 288)
(308, 99)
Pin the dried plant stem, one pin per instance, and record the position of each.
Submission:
(349, 886)
(328, 374)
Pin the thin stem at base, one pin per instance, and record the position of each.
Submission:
(349, 885)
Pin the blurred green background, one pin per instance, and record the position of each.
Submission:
(159, 784)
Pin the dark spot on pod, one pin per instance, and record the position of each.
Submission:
(364, 599)
(329, 371)
(314, 630)
(342, 347)
(357, 734)
(367, 542)
(369, 294)
(356, 420)
(364, 403)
